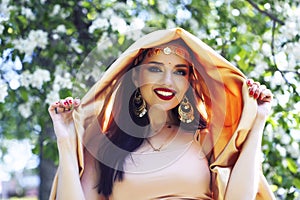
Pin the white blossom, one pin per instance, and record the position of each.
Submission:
(24, 46)
(27, 12)
(15, 148)
(76, 46)
(120, 6)
(60, 29)
(282, 192)
(266, 49)
(118, 24)
(25, 109)
(3, 91)
(1, 29)
(285, 139)
(55, 11)
(134, 34)
(40, 37)
(267, 36)
(183, 14)
(170, 24)
(293, 52)
(219, 3)
(52, 97)
(55, 36)
(194, 24)
(137, 23)
(43, 1)
(62, 81)
(36, 38)
(107, 13)
(294, 150)
(163, 7)
(98, 23)
(242, 28)
(25, 78)
(281, 150)
(267, 6)
(281, 60)
(39, 77)
(14, 83)
(235, 12)
(5, 9)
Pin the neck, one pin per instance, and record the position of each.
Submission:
(160, 118)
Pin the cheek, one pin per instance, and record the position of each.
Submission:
(182, 84)
(146, 78)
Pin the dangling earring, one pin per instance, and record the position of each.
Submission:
(186, 111)
(139, 104)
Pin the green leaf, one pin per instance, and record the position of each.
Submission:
(292, 166)
(296, 182)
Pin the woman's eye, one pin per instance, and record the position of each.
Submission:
(154, 69)
(181, 72)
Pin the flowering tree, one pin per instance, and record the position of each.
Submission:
(44, 46)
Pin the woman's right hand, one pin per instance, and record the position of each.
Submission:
(61, 115)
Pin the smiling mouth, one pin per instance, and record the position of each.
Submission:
(164, 93)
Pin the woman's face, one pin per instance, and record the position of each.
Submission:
(163, 79)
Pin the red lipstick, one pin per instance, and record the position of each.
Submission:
(165, 93)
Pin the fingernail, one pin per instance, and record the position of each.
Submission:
(66, 103)
(255, 95)
(70, 101)
(251, 93)
(248, 82)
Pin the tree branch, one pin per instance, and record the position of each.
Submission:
(274, 18)
(273, 53)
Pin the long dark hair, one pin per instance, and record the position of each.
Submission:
(126, 132)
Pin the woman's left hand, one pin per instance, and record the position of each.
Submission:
(263, 96)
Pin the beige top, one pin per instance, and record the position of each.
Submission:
(172, 173)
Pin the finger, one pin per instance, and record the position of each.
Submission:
(69, 101)
(256, 83)
(252, 89)
(76, 102)
(267, 96)
(259, 92)
(249, 82)
(54, 107)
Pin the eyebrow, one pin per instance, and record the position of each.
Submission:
(159, 63)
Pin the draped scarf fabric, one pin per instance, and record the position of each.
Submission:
(230, 110)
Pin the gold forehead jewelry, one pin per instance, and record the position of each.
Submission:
(167, 50)
(171, 49)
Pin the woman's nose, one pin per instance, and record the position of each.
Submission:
(168, 78)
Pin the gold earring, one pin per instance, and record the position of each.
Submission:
(186, 111)
(139, 104)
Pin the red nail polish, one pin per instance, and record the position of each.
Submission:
(255, 95)
(251, 93)
(70, 101)
(66, 103)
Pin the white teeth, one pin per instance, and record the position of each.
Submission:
(164, 93)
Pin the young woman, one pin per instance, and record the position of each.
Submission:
(170, 119)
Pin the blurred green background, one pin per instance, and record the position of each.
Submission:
(43, 49)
